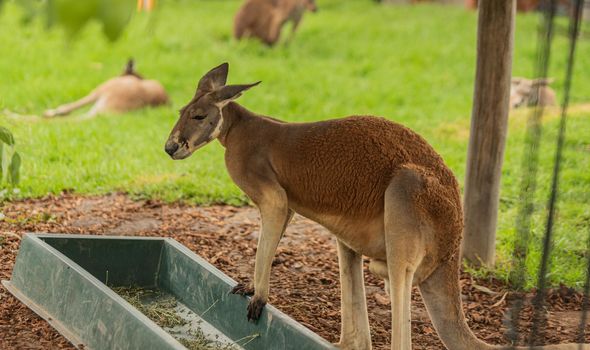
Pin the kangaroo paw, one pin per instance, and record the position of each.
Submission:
(50, 113)
(255, 308)
(242, 289)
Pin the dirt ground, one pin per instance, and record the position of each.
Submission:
(304, 281)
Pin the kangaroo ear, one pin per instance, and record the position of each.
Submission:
(230, 92)
(516, 80)
(130, 65)
(542, 81)
(215, 78)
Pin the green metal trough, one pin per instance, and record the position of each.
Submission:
(65, 279)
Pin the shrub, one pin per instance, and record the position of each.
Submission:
(9, 159)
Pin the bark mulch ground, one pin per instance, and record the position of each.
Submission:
(304, 281)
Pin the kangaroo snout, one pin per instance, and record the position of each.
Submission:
(171, 148)
(178, 150)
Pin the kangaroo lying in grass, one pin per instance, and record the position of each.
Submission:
(522, 92)
(264, 19)
(379, 187)
(124, 93)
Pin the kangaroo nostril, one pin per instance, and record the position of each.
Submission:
(171, 147)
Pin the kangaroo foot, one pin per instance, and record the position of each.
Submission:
(50, 113)
(255, 308)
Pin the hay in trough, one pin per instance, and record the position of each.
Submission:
(161, 308)
(155, 304)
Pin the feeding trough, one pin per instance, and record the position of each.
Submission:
(67, 280)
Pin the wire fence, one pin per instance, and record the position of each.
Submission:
(528, 187)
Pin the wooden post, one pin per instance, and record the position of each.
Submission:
(489, 124)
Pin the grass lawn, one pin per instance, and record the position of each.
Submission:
(413, 64)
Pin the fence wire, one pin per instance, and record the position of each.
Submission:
(528, 181)
(586, 301)
(530, 166)
(538, 302)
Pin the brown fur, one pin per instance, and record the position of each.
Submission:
(379, 187)
(263, 19)
(121, 94)
(381, 146)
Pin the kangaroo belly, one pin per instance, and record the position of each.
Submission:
(364, 236)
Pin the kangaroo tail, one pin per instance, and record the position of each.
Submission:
(442, 296)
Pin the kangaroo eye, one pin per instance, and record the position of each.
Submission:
(199, 117)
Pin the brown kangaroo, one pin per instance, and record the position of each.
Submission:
(124, 93)
(379, 187)
(523, 94)
(264, 19)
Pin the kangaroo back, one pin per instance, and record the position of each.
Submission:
(370, 151)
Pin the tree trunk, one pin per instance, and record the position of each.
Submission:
(489, 124)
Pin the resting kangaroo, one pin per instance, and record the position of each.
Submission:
(264, 19)
(124, 93)
(375, 184)
(523, 94)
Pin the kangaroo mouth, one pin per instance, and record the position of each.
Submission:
(181, 153)
(177, 150)
(183, 150)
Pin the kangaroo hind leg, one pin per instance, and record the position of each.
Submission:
(405, 231)
(355, 332)
(379, 268)
(70, 107)
(99, 107)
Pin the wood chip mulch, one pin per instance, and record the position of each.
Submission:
(304, 282)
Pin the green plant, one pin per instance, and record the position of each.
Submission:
(9, 159)
(73, 15)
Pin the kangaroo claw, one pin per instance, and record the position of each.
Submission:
(242, 289)
(255, 308)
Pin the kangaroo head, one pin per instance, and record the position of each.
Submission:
(522, 90)
(201, 119)
(311, 6)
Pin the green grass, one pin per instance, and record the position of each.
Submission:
(412, 64)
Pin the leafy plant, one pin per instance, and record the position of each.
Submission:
(73, 15)
(9, 159)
